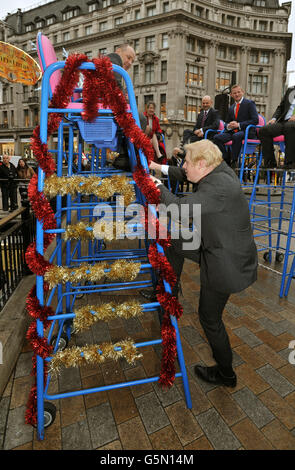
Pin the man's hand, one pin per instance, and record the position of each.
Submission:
(272, 121)
(176, 150)
(292, 118)
(154, 166)
(233, 125)
(155, 180)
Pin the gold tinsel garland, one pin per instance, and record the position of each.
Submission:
(104, 188)
(120, 270)
(89, 314)
(93, 354)
(99, 229)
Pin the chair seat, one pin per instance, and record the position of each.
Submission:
(280, 138)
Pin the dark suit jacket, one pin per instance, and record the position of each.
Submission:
(228, 252)
(212, 120)
(116, 59)
(284, 105)
(247, 115)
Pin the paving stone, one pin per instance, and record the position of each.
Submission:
(94, 399)
(24, 365)
(288, 371)
(167, 396)
(200, 401)
(102, 426)
(271, 340)
(251, 379)
(132, 326)
(4, 408)
(133, 435)
(191, 335)
(137, 373)
(17, 432)
(69, 380)
(279, 407)
(250, 437)
(20, 391)
(275, 328)
(205, 386)
(226, 406)
(72, 409)
(279, 383)
(76, 436)
(279, 436)
(218, 433)
(151, 412)
(253, 407)
(184, 423)
(100, 332)
(123, 404)
(250, 356)
(271, 357)
(52, 437)
(115, 445)
(200, 444)
(247, 336)
(237, 360)
(165, 439)
(234, 310)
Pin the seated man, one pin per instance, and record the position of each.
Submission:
(240, 115)
(282, 123)
(208, 118)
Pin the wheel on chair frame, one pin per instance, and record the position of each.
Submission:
(63, 342)
(68, 324)
(49, 413)
(266, 256)
(279, 257)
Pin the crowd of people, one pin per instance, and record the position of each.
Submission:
(11, 178)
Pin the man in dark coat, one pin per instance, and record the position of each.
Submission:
(227, 253)
(282, 123)
(8, 174)
(240, 115)
(208, 118)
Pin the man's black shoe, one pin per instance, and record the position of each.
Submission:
(149, 295)
(214, 376)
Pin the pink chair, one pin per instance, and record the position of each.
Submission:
(219, 130)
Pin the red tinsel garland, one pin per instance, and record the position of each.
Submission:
(98, 84)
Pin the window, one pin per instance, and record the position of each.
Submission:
(5, 118)
(26, 118)
(164, 71)
(165, 7)
(66, 36)
(92, 7)
(25, 92)
(88, 30)
(191, 108)
(54, 39)
(163, 108)
(104, 3)
(194, 75)
(190, 44)
(148, 98)
(39, 24)
(262, 26)
(221, 52)
(89, 54)
(135, 74)
(12, 118)
(261, 109)
(223, 80)
(118, 20)
(28, 28)
(103, 26)
(254, 55)
(149, 73)
(199, 11)
(164, 40)
(50, 20)
(258, 84)
(76, 33)
(150, 43)
(137, 15)
(264, 57)
(151, 11)
(260, 3)
(232, 53)
(67, 15)
(136, 45)
(201, 47)
(103, 51)
(230, 20)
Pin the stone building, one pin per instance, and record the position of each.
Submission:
(185, 49)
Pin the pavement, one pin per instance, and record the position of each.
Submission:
(259, 413)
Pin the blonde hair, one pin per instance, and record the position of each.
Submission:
(204, 150)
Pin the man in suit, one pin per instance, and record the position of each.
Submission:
(240, 115)
(227, 254)
(282, 123)
(208, 118)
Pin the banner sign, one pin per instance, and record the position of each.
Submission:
(17, 66)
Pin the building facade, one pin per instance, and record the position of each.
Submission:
(184, 50)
